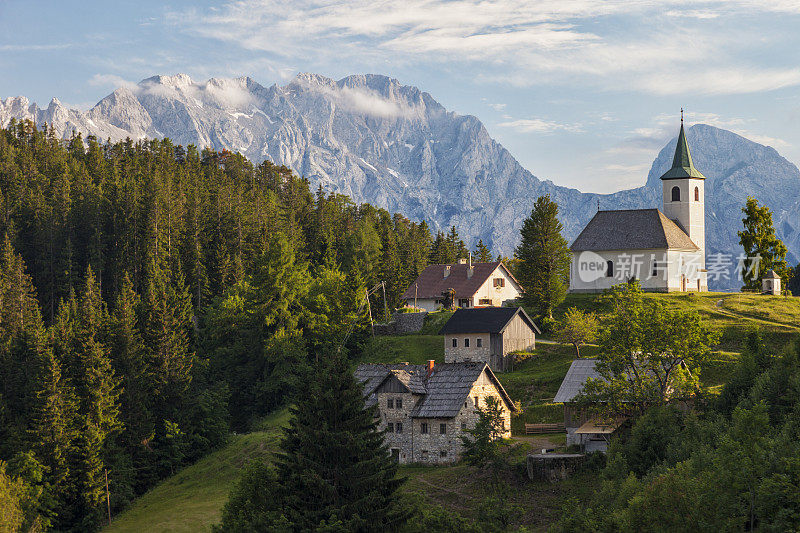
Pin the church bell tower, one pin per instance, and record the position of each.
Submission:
(684, 194)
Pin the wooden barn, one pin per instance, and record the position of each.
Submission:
(488, 335)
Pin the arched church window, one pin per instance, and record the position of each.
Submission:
(609, 269)
(676, 194)
(697, 194)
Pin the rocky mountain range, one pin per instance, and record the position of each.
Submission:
(392, 145)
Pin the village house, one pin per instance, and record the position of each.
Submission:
(488, 335)
(424, 409)
(590, 433)
(665, 250)
(475, 285)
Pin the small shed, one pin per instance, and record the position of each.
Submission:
(595, 434)
(488, 335)
(574, 417)
(771, 283)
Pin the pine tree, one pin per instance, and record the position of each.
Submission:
(758, 240)
(544, 258)
(482, 254)
(333, 471)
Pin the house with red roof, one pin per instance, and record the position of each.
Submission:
(475, 285)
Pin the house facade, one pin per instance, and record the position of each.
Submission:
(664, 250)
(424, 409)
(475, 285)
(488, 335)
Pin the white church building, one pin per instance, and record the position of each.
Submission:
(664, 250)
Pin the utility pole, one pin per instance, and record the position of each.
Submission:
(369, 310)
(385, 303)
(108, 497)
(416, 286)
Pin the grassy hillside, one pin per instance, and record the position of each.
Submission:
(732, 313)
(192, 499)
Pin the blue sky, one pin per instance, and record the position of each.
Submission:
(583, 93)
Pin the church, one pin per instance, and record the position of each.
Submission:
(664, 250)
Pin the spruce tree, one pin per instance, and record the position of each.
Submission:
(333, 470)
(758, 240)
(544, 258)
(482, 254)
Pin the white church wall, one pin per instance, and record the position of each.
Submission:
(588, 269)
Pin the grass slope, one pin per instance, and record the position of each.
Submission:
(192, 499)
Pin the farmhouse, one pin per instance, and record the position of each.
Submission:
(589, 433)
(475, 285)
(665, 250)
(488, 335)
(424, 409)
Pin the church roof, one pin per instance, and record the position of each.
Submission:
(632, 229)
(682, 166)
(771, 274)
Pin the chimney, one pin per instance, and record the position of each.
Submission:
(462, 261)
(470, 270)
(430, 367)
(446, 270)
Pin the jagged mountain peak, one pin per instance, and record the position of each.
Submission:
(393, 145)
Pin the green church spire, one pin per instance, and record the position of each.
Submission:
(682, 166)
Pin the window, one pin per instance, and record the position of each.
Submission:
(398, 427)
(389, 428)
(423, 428)
(484, 301)
(676, 194)
(424, 455)
(657, 268)
(463, 426)
(697, 194)
(478, 342)
(455, 343)
(499, 282)
(609, 269)
(476, 400)
(390, 403)
(466, 343)
(442, 429)
(398, 403)
(443, 453)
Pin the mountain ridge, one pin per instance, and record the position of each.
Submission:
(395, 146)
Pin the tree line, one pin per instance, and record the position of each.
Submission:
(155, 297)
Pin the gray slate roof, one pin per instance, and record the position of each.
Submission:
(485, 320)
(579, 371)
(632, 229)
(771, 275)
(443, 393)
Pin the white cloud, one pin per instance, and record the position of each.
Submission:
(497, 107)
(33, 47)
(663, 47)
(537, 125)
(111, 80)
(361, 100)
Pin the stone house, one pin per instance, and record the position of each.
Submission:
(665, 250)
(488, 335)
(475, 285)
(424, 409)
